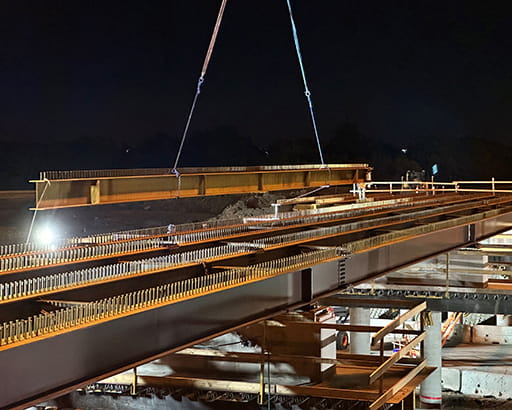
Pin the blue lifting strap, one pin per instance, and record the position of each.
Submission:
(306, 89)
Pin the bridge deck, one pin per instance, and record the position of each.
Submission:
(80, 341)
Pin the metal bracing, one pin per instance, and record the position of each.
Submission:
(382, 379)
(467, 300)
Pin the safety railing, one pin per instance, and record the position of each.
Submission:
(409, 186)
(404, 363)
(491, 186)
(84, 314)
(386, 363)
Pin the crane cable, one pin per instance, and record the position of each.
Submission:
(306, 89)
(200, 82)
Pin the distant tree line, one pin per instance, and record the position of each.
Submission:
(457, 158)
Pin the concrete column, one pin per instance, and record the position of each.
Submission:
(360, 342)
(430, 391)
(502, 320)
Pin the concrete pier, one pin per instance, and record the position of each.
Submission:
(360, 342)
(430, 392)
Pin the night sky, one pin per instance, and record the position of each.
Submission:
(127, 70)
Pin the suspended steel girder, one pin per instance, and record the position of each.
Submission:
(60, 189)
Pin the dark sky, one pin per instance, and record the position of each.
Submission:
(128, 69)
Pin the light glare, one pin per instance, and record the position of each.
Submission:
(46, 236)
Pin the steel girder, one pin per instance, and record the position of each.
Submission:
(60, 189)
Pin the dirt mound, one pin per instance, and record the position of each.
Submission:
(252, 205)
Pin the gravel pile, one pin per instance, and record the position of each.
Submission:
(253, 205)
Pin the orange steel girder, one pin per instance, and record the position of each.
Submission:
(62, 189)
